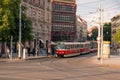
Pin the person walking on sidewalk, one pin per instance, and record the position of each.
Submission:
(7, 52)
(49, 49)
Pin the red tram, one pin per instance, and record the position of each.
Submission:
(73, 48)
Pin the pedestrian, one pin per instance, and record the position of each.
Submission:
(7, 52)
(49, 49)
(53, 50)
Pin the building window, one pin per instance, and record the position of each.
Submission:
(62, 27)
(48, 16)
(63, 8)
(63, 18)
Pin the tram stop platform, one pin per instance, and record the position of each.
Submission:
(113, 61)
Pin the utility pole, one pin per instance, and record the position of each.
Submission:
(100, 34)
(19, 44)
(101, 25)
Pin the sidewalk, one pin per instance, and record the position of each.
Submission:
(42, 54)
(22, 59)
(113, 61)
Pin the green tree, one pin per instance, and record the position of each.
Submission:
(107, 31)
(116, 36)
(9, 21)
(26, 28)
(116, 24)
(4, 20)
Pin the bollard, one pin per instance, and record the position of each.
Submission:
(24, 53)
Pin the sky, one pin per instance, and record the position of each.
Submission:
(89, 10)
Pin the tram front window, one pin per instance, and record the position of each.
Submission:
(60, 47)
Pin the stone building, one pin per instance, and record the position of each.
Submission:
(81, 29)
(63, 20)
(39, 11)
(115, 22)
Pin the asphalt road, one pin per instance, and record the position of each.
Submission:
(69, 68)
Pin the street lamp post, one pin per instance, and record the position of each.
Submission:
(19, 44)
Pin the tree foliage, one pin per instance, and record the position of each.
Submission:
(4, 19)
(116, 36)
(116, 23)
(106, 32)
(9, 21)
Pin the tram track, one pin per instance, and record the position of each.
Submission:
(61, 63)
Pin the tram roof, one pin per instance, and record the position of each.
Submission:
(70, 43)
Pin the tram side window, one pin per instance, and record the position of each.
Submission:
(84, 45)
(67, 47)
(71, 46)
(75, 46)
(80, 45)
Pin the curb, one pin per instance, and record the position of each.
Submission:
(18, 60)
(36, 57)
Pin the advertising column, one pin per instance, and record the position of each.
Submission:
(106, 49)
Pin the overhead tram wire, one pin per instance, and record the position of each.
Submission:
(93, 2)
(113, 5)
(105, 10)
(90, 2)
(88, 7)
(112, 9)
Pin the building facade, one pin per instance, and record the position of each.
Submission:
(63, 20)
(81, 29)
(39, 11)
(114, 26)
